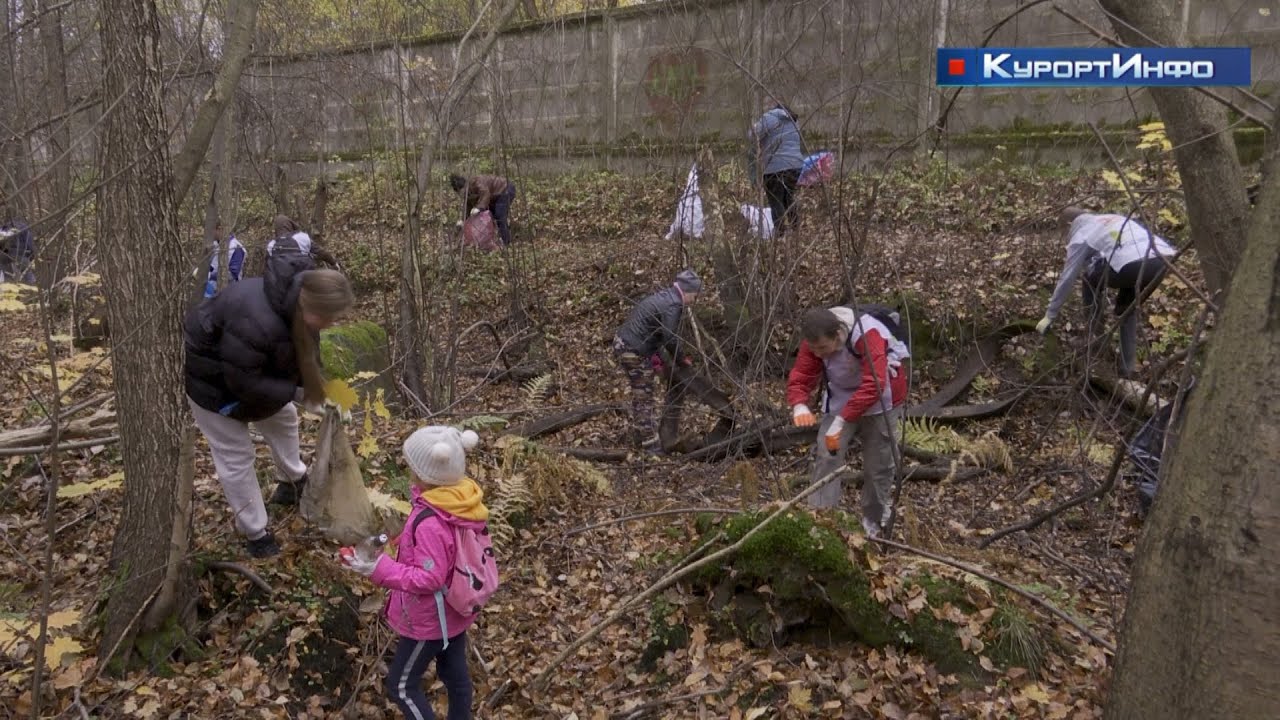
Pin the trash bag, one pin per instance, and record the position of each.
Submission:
(760, 220)
(334, 497)
(1146, 448)
(689, 222)
(479, 231)
(817, 169)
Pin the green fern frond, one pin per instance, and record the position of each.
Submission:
(483, 422)
(926, 434)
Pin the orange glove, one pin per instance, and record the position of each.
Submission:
(802, 416)
(832, 438)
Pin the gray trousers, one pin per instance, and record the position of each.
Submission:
(233, 457)
(879, 435)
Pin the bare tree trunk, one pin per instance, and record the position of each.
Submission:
(239, 41)
(145, 278)
(143, 266)
(1203, 147)
(54, 247)
(15, 148)
(1200, 637)
(411, 329)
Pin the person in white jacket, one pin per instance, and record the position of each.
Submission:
(1114, 251)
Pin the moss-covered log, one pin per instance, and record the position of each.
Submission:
(803, 579)
(359, 347)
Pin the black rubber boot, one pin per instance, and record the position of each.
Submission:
(288, 493)
(264, 547)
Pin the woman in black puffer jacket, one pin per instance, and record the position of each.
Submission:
(251, 351)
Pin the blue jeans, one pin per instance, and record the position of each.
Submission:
(499, 208)
(404, 677)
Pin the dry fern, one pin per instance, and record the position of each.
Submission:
(537, 389)
(509, 497)
(547, 474)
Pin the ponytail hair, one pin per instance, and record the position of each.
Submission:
(326, 294)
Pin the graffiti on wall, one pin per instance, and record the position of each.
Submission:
(673, 82)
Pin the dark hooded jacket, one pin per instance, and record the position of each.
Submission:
(240, 357)
(654, 324)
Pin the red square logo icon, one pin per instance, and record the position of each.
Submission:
(955, 66)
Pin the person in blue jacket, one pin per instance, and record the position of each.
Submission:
(235, 262)
(17, 251)
(775, 146)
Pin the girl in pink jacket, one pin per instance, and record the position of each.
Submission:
(443, 498)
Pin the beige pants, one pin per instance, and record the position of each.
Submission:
(233, 457)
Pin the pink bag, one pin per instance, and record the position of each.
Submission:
(479, 231)
(818, 169)
(475, 572)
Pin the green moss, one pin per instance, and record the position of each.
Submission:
(666, 633)
(342, 347)
(812, 575)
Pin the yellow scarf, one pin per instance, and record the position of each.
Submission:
(463, 499)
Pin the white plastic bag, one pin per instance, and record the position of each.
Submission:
(689, 220)
(760, 219)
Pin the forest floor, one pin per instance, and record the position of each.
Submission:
(973, 249)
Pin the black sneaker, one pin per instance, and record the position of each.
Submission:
(264, 547)
(288, 493)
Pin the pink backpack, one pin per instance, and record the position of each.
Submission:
(475, 572)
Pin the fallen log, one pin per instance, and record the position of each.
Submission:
(519, 373)
(683, 383)
(955, 413)
(101, 423)
(555, 423)
(988, 349)
(609, 455)
(1129, 392)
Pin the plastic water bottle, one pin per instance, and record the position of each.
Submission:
(370, 548)
(367, 550)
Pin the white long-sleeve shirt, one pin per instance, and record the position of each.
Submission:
(1114, 239)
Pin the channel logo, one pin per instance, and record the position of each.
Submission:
(1092, 67)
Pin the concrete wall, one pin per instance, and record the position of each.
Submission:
(635, 88)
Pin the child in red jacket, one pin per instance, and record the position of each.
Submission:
(864, 392)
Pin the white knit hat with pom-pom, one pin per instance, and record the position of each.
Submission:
(437, 454)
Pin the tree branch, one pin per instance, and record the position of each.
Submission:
(239, 41)
(1004, 584)
(670, 579)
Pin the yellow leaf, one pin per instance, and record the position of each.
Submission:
(11, 629)
(341, 393)
(110, 482)
(1152, 127)
(380, 407)
(368, 417)
(368, 447)
(11, 305)
(60, 647)
(382, 500)
(83, 279)
(1112, 179)
(64, 618)
(800, 698)
(364, 375)
(1034, 693)
(144, 690)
